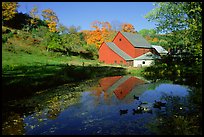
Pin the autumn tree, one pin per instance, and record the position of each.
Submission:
(51, 18)
(148, 38)
(9, 10)
(102, 33)
(126, 27)
(155, 39)
(35, 17)
(95, 37)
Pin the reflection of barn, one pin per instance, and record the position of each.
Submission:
(120, 86)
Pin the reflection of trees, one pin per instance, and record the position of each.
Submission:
(13, 126)
(59, 103)
(179, 118)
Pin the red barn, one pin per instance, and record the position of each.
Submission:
(127, 49)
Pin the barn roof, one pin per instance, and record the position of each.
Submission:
(117, 83)
(136, 40)
(117, 50)
(160, 49)
(148, 56)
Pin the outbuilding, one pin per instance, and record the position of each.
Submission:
(125, 50)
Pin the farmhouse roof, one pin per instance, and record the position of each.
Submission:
(160, 49)
(117, 50)
(136, 40)
(148, 56)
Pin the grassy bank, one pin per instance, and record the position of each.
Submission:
(24, 74)
(28, 67)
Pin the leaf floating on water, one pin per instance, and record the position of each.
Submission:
(40, 120)
(32, 127)
(15, 120)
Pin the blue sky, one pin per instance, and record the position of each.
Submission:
(84, 13)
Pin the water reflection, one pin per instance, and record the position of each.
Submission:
(115, 105)
(120, 86)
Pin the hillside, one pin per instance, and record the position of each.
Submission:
(27, 66)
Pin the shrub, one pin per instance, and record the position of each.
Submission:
(40, 31)
(5, 37)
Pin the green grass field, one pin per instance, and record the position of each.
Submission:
(27, 67)
(24, 74)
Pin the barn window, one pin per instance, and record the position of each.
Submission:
(115, 61)
(120, 39)
(121, 62)
(143, 62)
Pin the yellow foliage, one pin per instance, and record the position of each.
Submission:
(33, 14)
(9, 10)
(155, 40)
(148, 38)
(51, 18)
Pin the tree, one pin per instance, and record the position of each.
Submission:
(145, 32)
(62, 29)
(155, 39)
(183, 20)
(9, 10)
(35, 16)
(73, 29)
(51, 18)
(126, 27)
(148, 38)
(102, 33)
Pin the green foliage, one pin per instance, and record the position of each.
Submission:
(41, 31)
(92, 51)
(73, 29)
(183, 23)
(5, 37)
(71, 44)
(145, 32)
(55, 42)
(62, 29)
(136, 71)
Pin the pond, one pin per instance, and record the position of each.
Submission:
(111, 105)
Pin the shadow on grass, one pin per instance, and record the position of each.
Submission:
(24, 81)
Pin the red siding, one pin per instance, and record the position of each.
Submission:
(141, 51)
(107, 82)
(124, 45)
(108, 56)
(126, 87)
(127, 47)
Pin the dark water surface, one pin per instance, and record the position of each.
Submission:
(112, 105)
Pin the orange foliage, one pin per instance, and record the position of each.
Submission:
(101, 33)
(126, 27)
